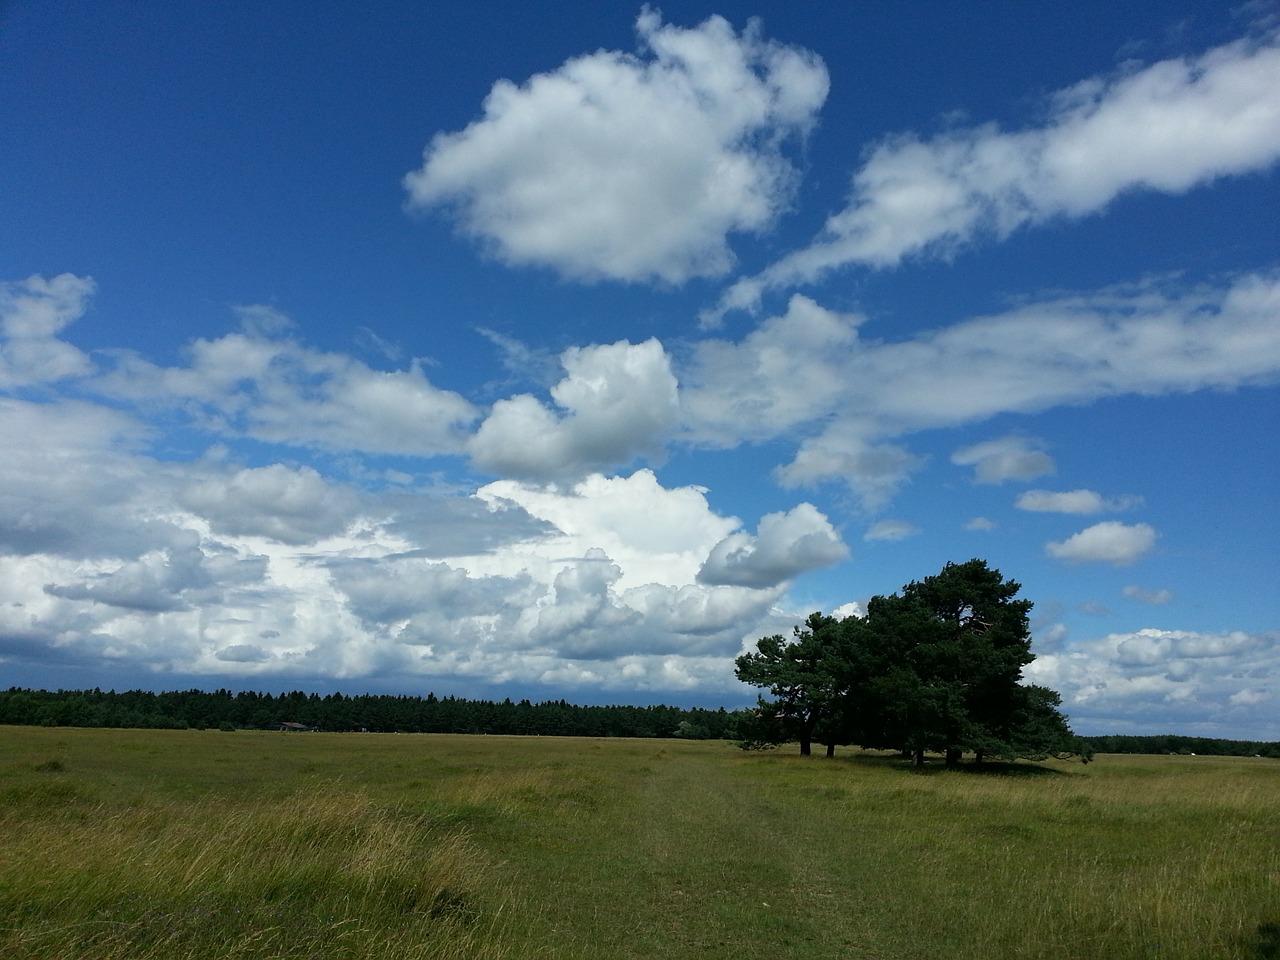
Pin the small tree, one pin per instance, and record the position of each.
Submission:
(802, 676)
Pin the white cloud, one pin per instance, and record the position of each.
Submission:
(751, 389)
(631, 167)
(215, 567)
(1167, 127)
(785, 545)
(1135, 680)
(205, 569)
(891, 530)
(1108, 542)
(612, 577)
(808, 375)
(176, 578)
(1126, 341)
(1008, 458)
(68, 482)
(1143, 595)
(875, 471)
(980, 523)
(293, 506)
(619, 401)
(656, 535)
(258, 384)
(32, 313)
(1074, 501)
(846, 610)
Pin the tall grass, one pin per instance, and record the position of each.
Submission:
(321, 872)
(170, 844)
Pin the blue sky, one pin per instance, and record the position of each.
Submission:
(519, 351)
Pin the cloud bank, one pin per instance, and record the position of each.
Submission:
(1187, 680)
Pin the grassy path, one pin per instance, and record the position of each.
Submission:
(682, 850)
(686, 858)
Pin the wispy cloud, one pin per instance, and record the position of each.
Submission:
(1201, 118)
(1074, 501)
(1143, 595)
(890, 530)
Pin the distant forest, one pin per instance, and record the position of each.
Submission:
(381, 713)
(224, 710)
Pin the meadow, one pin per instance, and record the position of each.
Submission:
(200, 844)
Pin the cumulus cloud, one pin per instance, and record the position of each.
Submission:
(619, 400)
(1008, 458)
(242, 653)
(891, 530)
(980, 523)
(262, 384)
(176, 578)
(809, 374)
(1107, 542)
(749, 390)
(1168, 127)
(785, 545)
(69, 483)
(294, 506)
(874, 471)
(631, 167)
(656, 534)
(1126, 680)
(32, 313)
(217, 570)
(611, 578)
(1074, 501)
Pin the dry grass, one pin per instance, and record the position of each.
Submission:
(161, 845)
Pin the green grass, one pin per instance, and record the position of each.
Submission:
(137, 844)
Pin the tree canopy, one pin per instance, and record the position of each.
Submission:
(936, 667)
(803, 676)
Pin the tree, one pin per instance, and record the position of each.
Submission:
(801, 675)
(938, 668)
(935, 668)
(1038, 730)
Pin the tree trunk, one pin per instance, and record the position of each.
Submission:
(919, 758)
(806, 748)
(977, 757)
(953, 756)
(831, 750)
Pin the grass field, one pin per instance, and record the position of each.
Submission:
(136, 844)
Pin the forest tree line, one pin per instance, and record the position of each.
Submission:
(336, 712)
(1170, 743)
(374, 713)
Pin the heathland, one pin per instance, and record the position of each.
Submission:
(199, 844)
